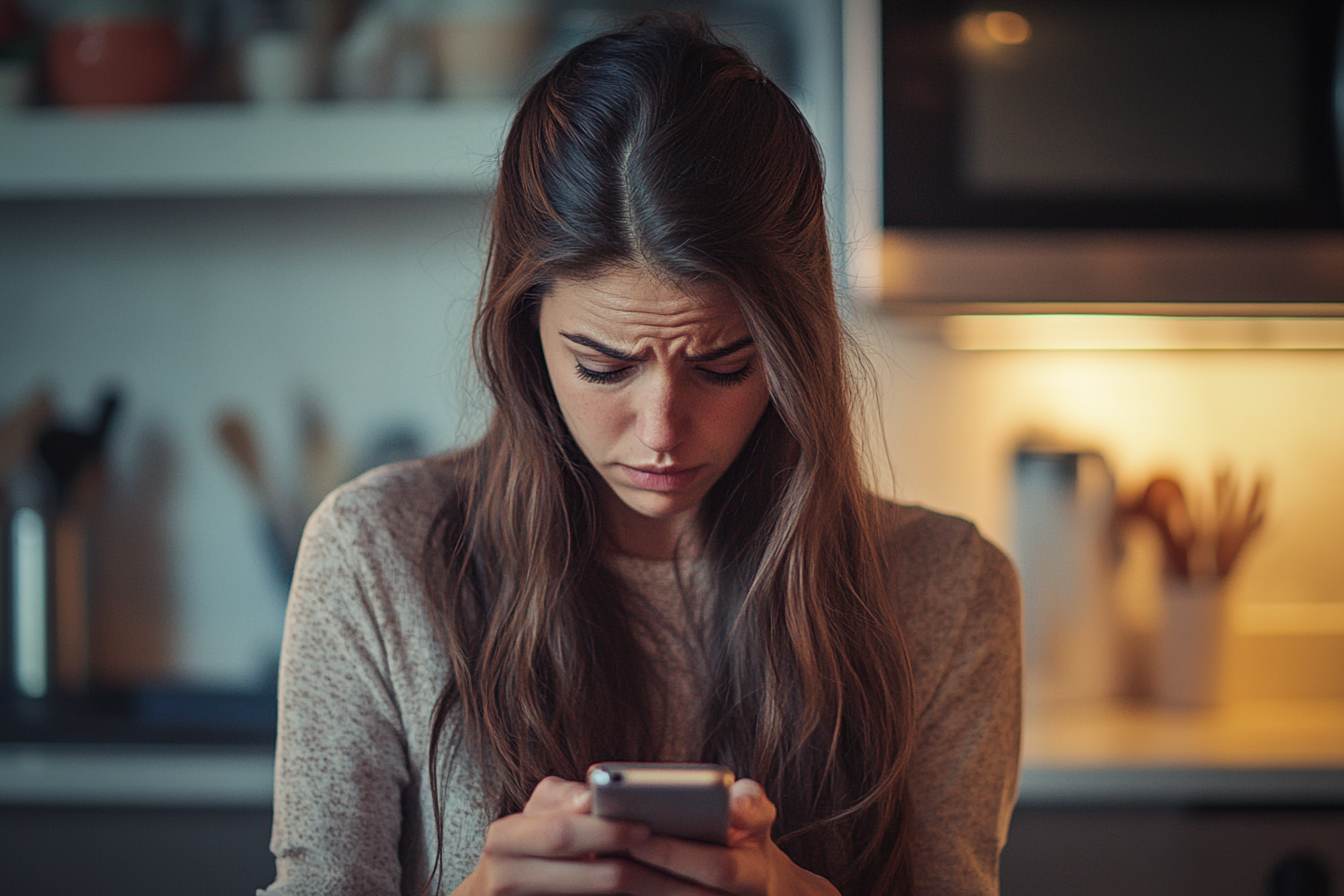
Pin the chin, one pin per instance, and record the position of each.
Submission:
(660, 506)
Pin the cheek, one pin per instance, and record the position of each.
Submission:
(737, 417)
(594, 419)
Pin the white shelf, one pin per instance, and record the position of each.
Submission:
(246, 150)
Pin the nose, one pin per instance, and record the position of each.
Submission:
(663, 419)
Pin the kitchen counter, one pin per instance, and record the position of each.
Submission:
(1250, 753)
(1272, 752)
(146, 747)
(1115, 799)
(1281, 753)
(176, 775)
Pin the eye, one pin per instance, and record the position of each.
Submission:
(728, 378)
(600, 376)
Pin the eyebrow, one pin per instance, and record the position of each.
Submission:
(610, 352)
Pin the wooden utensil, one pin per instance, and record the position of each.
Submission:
(1163, 502)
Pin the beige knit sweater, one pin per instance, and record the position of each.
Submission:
(361, 669)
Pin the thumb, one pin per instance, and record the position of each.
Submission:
(555, 794)
(750, 812)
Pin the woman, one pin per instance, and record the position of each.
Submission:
(661, 549)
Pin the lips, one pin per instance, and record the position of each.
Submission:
(661, 479)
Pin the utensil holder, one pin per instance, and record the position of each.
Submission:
(1190, 642)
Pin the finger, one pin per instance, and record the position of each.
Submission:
(553, 794)
(749, 809)
(717, 867)
(561, 835)
(613, 875)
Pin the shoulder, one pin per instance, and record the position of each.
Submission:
(359, 598)
(400, 494)
(365, 545)
(930, 548)
(956, 591)
(389, 507)
(931, 551)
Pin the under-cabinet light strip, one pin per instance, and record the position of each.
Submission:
(1132, 332)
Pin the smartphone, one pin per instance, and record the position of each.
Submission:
(673, 798)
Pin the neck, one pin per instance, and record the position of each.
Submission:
(627, 532)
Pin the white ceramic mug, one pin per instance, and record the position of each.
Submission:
(274, 68)
(1190, 642)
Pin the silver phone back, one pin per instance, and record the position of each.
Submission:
(687, 801)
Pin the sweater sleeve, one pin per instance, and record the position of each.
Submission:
(341, 764)
(964, 773)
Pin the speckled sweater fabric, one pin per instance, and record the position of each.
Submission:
(361, 669)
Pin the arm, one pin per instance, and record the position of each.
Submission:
(963, 776)
(341, 753)
(343, 777)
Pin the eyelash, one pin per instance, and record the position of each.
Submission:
(732, 377)
(606, 377)
(599, 376)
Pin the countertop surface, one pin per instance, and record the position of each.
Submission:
(1251, 733)
(1279, 752)
(1282, 753)
(136, 775)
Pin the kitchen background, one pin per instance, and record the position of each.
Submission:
(341, 299)
(255, 268)
(955, 420)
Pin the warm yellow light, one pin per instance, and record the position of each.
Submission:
(1316, 618)
(986, 32)
(1119, 332)
(1007, 27)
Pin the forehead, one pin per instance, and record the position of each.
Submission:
(628, 307)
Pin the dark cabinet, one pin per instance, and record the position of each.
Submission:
(1207, 851)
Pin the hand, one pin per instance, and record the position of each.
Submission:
(750, 865)
(555, 846)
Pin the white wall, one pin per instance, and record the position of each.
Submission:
(195, 305)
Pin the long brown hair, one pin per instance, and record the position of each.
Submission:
(660, 147)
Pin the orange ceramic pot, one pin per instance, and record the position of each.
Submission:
(115, 62)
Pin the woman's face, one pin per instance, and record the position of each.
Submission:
(660, 389)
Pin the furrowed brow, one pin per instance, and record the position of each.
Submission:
(596, 346)
(718, 353)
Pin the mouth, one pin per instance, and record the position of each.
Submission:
(660, 479)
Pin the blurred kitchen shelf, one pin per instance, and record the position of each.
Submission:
(1252, 752)
(221, 150)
